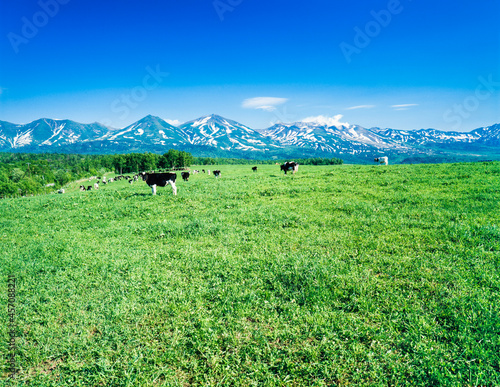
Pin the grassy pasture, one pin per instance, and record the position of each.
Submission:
(339, 275)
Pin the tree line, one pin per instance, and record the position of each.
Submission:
(36, 173)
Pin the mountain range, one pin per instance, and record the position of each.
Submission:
(217, 136)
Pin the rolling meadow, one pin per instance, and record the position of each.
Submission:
(347, 275)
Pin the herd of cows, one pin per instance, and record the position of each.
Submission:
(162, 179)
(167, 178)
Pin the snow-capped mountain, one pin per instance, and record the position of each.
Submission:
(489, 135)
(218, 136)
(426, 136)
(47, 132)
(334, 139)
(149, 130)
(225, 134)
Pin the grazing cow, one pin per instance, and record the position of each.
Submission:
(96, 186)
(254, 169)
(216, 173)
(195, 172)
(130, 181)
(82, 188)
(290, 166)
(161, 179)
(89, 188)
(208, 172)
(185, 176)
(203, 170)
(61, 191)
(382, 160)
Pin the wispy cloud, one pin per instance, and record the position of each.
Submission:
(324, 120)
(405, 106)
(174, 122)
(360, 107)
(263, 103)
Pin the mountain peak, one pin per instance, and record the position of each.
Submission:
(213, 117)
(150, 117)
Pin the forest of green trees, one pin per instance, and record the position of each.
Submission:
(24, 174)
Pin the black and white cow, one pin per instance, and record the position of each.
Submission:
(160, 179)
(254, 169)
(185, 176)
(82, 188)
(382, 160)
(290, 166)
(216, 173)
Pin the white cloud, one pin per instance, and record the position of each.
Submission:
(174, 122)
(323, 120)
(263, 103)
(360, 107)
(405, 106)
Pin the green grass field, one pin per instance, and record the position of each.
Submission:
(337, 276)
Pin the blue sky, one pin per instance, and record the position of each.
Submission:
(404, 64)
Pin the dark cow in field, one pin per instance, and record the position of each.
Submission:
(82, 188)
(254, 169)
(290, 166)
(185, 176)
(216, 173)
(89, 188)
(160, 179)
